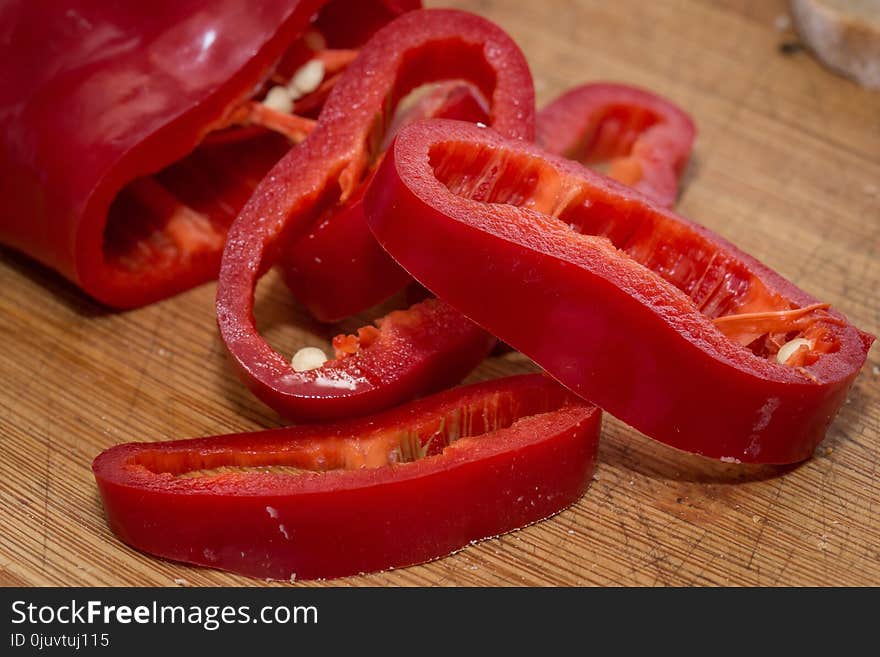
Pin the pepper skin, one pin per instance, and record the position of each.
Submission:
(96, 95)
(400, 488)
(645, 140)
(317, 179)
(653, 318)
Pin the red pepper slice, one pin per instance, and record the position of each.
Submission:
(656, 319)
(338, 269)
(395, 489)
(643, 139)
(97, 95)
(315, 181)
(409, 352)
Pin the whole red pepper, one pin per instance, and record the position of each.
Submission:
(322, 178)
(95, 96)
(652, 317)
(643, 139)
(400, 488)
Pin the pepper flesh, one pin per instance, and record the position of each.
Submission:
(392, 490)
(97, 95)
(644, 139)
(626, 301)
(325, 172)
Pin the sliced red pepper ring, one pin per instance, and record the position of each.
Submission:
(644, 140)
(655, 319)
(407, 486)
(123, 94)
(315, 181)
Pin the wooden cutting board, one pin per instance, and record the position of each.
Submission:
(787, 165)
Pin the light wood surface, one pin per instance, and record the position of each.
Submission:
(787, 165)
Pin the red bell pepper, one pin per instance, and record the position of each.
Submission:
(322, 177)
(652, 317)
(97, 97)
(644, 140)
(395, 489)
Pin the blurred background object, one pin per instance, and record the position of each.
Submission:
(844, 35)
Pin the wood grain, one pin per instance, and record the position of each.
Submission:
(787, 165)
